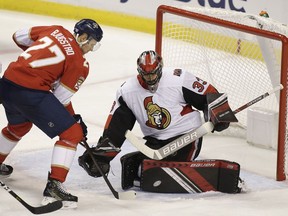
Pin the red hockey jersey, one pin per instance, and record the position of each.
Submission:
(52, 61)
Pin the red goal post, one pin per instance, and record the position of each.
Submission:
(241, 54)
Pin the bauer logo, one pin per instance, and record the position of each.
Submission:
(175, 146)
(203, 165)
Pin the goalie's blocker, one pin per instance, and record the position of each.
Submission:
(218, 111)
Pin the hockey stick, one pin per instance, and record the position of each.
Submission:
(50, 207)
(187, 138)
(128, 195)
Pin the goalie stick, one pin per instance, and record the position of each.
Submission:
(50, 207)
(127, 195)
(187, 138)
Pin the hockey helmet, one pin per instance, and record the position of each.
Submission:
(149, 66)
(90, 27)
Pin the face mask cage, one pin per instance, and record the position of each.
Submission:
(149, 67)
(148, 76)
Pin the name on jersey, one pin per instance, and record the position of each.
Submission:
(63, 41)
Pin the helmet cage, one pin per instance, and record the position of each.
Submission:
(149, 67)
(144, 74)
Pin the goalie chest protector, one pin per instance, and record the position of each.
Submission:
(190, 177)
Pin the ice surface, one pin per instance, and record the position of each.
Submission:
(111, 65)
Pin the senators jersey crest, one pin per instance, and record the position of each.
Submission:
(158, 117)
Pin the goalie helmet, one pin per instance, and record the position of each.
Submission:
(90, 27)
(149, 66)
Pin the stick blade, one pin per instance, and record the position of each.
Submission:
(50, 207)
(128, 195)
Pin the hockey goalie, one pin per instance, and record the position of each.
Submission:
(166, 103)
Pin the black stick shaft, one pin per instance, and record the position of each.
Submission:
(35, 210)
(115, 193)
(258, 99)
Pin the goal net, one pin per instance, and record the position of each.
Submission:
(241, 54)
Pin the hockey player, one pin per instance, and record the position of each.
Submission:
(165, 103)
(37, 89)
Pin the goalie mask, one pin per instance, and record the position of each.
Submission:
(149, 66)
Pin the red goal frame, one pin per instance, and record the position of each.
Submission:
(280, 171)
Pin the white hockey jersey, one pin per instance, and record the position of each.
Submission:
(172, 110)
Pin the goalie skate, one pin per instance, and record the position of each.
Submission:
(55, 190)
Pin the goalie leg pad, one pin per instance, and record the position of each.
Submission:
(130, 165)
(190, 177)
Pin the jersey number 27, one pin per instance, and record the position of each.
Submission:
(53, 48)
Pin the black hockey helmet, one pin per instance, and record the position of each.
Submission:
(149, 66)
(90, 27)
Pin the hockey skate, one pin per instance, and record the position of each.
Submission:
(5, 170)
(55, 190)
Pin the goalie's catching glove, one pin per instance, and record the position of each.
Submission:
(103, 153)
(219, 112)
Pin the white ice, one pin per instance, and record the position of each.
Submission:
(111, 65)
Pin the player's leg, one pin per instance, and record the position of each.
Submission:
(190, 177)
(54, 120)
(179, 177)
(62, 158)
(10, 135)
(132, 162)
(49, 115)
(17, 125)
(131, 169)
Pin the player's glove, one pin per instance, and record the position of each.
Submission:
(80, 121)
(103, 153)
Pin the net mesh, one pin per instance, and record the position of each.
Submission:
(241, 64)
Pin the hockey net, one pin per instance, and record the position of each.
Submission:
(241, 54)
